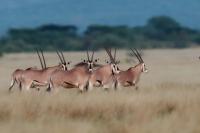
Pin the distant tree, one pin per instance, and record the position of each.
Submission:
(114, 36)
(70, 29)
(162, 27)
(159, 32)
(98, 29)
(165, 23)
(182, 40)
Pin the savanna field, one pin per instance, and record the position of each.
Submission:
(167, 101)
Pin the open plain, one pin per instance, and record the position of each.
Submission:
(167, 101)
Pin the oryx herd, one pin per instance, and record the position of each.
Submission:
(84, 75)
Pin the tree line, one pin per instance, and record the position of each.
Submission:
(158, 32)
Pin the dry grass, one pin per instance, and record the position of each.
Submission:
(168, 99)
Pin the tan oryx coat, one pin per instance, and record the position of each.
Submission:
(129, 77)
(102, 75)
(16, 77)
(36, 78)
(75, 78)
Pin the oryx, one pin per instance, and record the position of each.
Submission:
(39, 78)
(74, 78)
(131, 76)
(16, 75)
(102, 75)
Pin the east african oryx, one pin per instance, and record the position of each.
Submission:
(16, 78)
(74, 78)
(101, 75)
(39, 78)
(131, 76)
(16, 75)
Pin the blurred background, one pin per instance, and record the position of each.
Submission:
(73, 25)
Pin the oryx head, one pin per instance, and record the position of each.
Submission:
(141, 61)
(113, 62)
(90, 62)
(63, 62)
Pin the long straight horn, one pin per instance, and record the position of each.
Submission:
(139, 55)
(40, 59)
(110, 55)
(59, 56)
(43, 59)
(115, 55)
(108, 52)
(64, 61)
(135, 54)
(92, 55)
(113, 60)
(88, 55)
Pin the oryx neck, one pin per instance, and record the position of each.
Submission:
(137, 68)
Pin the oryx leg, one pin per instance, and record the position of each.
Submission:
(12, 84)
(27, 84)
(49, 88)
(136, 88)
(81, 87)
(106, 87)
(98, 83)
(50, 85)
(53, 87)
(115, 85)
(89, 86)
(36, 84)
(20, 86)
(133, 85)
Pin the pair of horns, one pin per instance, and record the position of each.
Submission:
(112, 59)
(88, 57)
(137, 54)
(61, 57)
(43, 63)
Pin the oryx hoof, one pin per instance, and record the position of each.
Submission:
(106, 89)
(136, 88)
(48, 89)
(80, 91)
(9, 91)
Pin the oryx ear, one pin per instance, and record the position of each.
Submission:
(96, 60)
(69, 62)
(64, 67)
